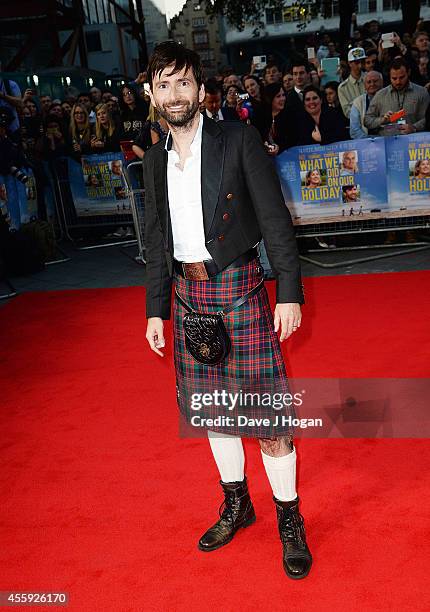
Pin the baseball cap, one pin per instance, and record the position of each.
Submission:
(357, 54)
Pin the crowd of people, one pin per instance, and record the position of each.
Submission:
(381, 88)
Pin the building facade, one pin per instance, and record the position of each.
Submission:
(196, 30)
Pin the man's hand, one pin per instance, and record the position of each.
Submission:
(155, 334)
(289, 317)
(386, 117)
(406, 128)
(141, 78)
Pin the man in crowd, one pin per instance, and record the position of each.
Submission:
(45, 104)
(213, 101)
(353, 86)
(96, 96)
(400, 95)
(272, 74)
(231, 79)
(85, 99)
(301, 78)
(373, 82)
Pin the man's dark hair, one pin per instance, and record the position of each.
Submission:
(172, 53)
(84, 94)
(212, 87)
(271, 65)
(346, 188)
(300, 61)
(399, 62)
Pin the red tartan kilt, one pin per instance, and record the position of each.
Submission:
(254, 364)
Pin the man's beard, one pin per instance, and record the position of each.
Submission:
(182, 119)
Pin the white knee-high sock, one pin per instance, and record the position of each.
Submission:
(229, 456)
(281, 472)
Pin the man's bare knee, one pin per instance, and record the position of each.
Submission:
(276, 447)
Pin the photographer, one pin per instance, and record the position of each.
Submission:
(12, 159)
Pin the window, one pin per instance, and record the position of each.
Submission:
(94, 42)
(198, 22)
(367, 6)
(200, 38)
(273, 16)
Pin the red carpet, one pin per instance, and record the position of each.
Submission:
(100, 498)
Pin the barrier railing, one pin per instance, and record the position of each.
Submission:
(359, 187)
(94, 213)
(136, 193)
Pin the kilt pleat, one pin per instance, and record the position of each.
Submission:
(254, 365)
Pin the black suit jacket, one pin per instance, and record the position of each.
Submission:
(237, 178)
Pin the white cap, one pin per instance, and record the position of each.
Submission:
(357, 54)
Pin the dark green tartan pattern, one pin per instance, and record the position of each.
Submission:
(254, 364)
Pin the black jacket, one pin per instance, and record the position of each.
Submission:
(333, 127)
(238, 178)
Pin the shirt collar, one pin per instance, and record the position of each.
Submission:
(197, 140)
(360, 78)
(408, 88)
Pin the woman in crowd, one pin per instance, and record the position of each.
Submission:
(159, 127)
(276, 128)
(253, 88)
(67, 110)
(331, 97)
(53, 142)
(80, 131)
(57, 110)
(134, 112)
(287, 80)
(319, 124)
(106, 137)
(229, 107)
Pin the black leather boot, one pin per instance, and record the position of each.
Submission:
(238, 512)
(296, 555)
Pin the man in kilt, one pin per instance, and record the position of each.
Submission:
(211, 194)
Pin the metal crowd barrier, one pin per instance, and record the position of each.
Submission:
(136, 193)
(362, 227)
(12, 292)
(86, 232)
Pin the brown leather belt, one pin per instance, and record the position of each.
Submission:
(204, 270)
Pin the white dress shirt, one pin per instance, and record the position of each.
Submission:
(185, 202)
(219, 115)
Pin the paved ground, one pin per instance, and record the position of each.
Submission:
(112, 267)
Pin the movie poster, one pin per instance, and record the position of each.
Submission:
(337, 182)
(97, 185)
(9, 202)
(408, 174)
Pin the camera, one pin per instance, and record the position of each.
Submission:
(18, 174)
(243, 96)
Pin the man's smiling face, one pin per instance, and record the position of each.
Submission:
(176, 96)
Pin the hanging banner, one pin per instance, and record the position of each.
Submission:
(339, 182)
(408, 172)
(97, 185)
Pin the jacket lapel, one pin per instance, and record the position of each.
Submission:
(212, 164)
(160, 183)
